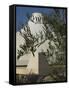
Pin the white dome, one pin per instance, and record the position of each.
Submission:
(37, 14)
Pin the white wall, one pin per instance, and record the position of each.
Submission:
(4, 44)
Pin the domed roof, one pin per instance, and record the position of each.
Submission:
(37, 14)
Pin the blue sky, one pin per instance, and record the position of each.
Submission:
(21, 13)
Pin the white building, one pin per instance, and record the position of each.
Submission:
(29, 64)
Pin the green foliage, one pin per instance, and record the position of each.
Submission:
(20, 53)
